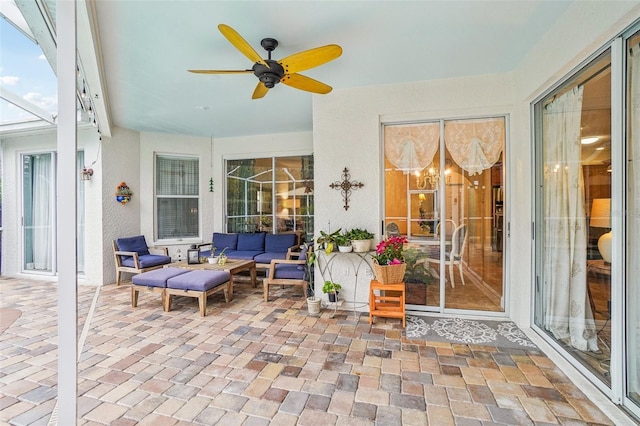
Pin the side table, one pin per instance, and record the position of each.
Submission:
(384, 304)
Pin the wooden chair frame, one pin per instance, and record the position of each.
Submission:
(120, 268)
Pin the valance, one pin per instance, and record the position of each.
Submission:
(411, 147)
(475, 145)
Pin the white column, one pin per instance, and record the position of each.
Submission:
(66, 214)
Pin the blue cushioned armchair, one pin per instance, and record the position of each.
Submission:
(132, 255)
(289, 271)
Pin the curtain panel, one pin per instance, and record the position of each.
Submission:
(475, 145)
(567, 312)
(411, 147)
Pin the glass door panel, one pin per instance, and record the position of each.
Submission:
(574, 180)
(38, 189)
(633, 223)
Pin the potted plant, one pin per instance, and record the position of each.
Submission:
(327, 242)
(360, 239)
(331, 289)
(212, 259)
(389, 263)
(222, 257)
(313, 302)
(123, 193)
(344, 243)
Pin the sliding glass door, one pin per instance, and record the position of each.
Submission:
(444, 191)
(588, 219)
(39, 213)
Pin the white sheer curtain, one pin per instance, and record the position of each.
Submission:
(633, 248)
(411, 147)
(42, 214)
(475, 145)
(566, 307)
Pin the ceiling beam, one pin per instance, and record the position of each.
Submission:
(26, 105)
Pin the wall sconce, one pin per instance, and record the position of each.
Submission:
(86, 173)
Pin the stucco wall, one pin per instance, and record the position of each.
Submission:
(347, 133)
(121, 162)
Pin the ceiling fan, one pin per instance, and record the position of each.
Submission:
(271, 72)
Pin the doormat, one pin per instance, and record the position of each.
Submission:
(501, 334)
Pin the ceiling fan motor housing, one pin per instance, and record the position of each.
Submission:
(269, 76)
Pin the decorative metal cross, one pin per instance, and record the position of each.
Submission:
(346, 186)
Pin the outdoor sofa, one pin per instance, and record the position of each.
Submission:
(258, 246)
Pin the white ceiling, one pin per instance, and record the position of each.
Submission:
(147, 46)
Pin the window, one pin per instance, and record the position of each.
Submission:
(270, 194)
(177, 197)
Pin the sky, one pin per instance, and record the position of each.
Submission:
(25, 72)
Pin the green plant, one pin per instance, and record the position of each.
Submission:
(343, 240)
(416, 272)
(331, 287)
(359, 234)
(328, 241)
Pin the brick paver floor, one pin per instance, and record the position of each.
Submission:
(252, 362)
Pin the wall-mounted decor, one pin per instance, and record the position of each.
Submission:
(346, 185)
(123, 193)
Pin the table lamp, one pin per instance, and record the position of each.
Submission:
(601, 218)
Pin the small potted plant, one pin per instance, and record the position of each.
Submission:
(212, 259)
(123, 193)
(331, 289)
(360, 239)
(222, 257)
(344, 243)
(327, 242)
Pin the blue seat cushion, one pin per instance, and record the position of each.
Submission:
(251, 242)
(147, 260)
(244, 254)
(288, 271)
(157, 277)
(277, 243)
(225, 241)
(303, 256)
(269, 256)
(198, 280)
(136, 244)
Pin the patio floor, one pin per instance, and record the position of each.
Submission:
(253, 363)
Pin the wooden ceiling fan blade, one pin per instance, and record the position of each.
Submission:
(308, 84)
(241, 44)
(220, 71)
(310, 58)
(259, 91)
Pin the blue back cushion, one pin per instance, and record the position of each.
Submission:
(137, 244)
(279, 242)
(251, 242)
(228, 241)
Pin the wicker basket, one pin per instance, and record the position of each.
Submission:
(389, 274)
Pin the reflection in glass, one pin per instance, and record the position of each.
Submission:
(272, 195)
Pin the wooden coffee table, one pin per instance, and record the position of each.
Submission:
(232, 266)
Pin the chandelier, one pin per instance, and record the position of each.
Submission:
(430, 176)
